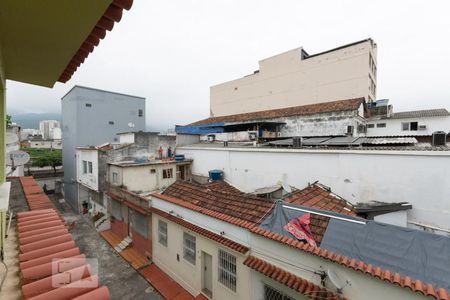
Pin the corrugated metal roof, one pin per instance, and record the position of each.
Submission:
(426, 113)
(51, 265)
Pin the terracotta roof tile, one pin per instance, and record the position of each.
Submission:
(290, 280)
(340, 105)
(221, 198)
(35, 196)
(41, 247)
(199, 230)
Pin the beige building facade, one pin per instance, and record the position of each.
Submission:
(296, 78)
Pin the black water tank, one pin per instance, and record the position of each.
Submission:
(439, 138)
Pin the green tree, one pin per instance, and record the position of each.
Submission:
(8, 120)
(51, 158)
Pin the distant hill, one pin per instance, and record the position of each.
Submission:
(32, 120)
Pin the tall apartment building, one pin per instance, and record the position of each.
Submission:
(47, 127)
(296, 78)
(92, 117)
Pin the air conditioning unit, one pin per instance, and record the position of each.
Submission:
(439, 138)
(422, 127)
(252, 135)
(211, 137)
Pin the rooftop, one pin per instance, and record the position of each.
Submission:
(426, 113)
(144, 162)
(304, 110)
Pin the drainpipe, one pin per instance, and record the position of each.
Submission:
(2, 129)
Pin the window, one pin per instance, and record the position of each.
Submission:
(162, 233)
(140, 113)
(88, 105)
(381, 125)
(410, 126)
(370, 125)
(116, 210)
(152, 171)
(349, 130)
(84, 167)
(115, 177)
(227, 270)
(272, 294)
(90, 167)
(167, 173)
(189, 247)
(140, 223)
(111, 122)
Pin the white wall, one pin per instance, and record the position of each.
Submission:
(290, 259)
(419, 177)
(126, 138)
(394, 126)
(90, 180)
(287, 80)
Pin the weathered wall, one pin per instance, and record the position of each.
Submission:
(90, 180)
(419, 177)
(287, 80)
(394, 126)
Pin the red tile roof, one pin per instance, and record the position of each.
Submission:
(48, 255)
(35, 196)
(319, 196)
(202, 201)
(106, 23)
(221, 198)
(290, 280)
(304, 110)
(199, 230)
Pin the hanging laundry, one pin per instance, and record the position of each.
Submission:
(299, 227)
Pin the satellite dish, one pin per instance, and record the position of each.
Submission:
(17, 158)
(285, 185)
(131, 124)
(335, 280)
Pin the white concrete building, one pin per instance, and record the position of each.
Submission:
(410, 123)
(40, 143)
(46, 128)
(297, 78)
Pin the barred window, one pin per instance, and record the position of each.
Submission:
(227, 270)
(189, 247)
(162, 233)
(167, 173)
(272, 294)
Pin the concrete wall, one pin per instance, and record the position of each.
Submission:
(287, 80)
(419, 177)
(89, 126)
(88, 179)
(140, 178)
(190, 276)
(394, 126)
(46, 144)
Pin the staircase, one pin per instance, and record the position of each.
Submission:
(123, 244)
(102, 224)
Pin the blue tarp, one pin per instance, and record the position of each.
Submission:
(200, 129)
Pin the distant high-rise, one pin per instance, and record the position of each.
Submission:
(91, 117)
(46, 128)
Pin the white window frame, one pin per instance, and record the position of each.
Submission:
(381, 125)
(227, 270)
(189, 248)
(271, 293)
(90, 167)
(162, 233)
(84, 167)
(167, 173)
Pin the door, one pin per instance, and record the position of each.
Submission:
(207, 274)
(181, 172)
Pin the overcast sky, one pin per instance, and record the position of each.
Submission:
(171, 52)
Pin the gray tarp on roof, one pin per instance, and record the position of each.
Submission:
(417, 254)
